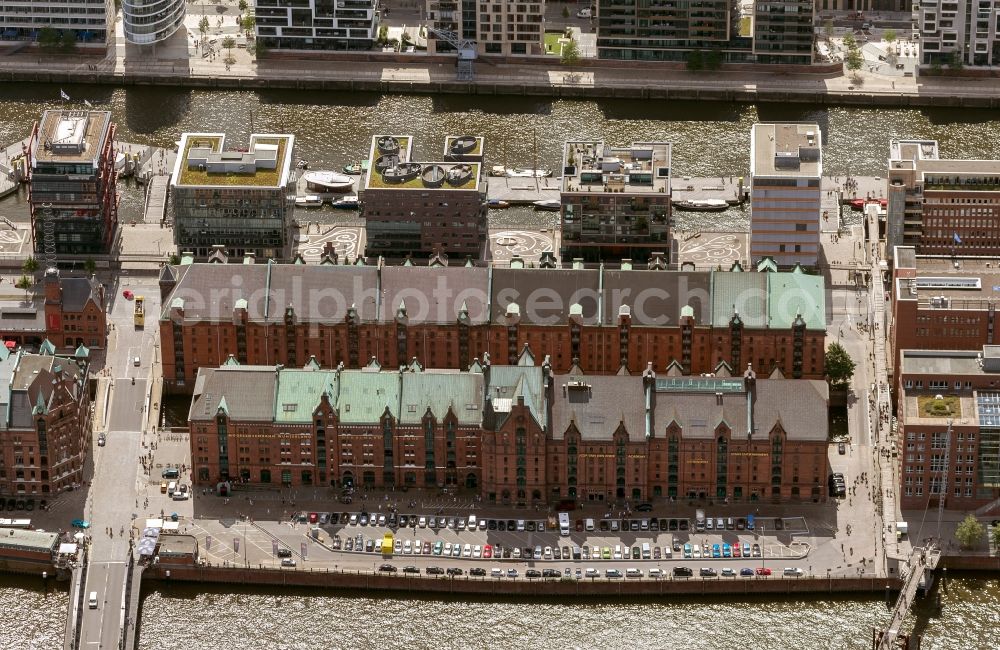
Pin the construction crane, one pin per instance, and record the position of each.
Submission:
(466, 49)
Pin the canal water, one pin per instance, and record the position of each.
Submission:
(332, 129)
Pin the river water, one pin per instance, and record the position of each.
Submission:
(332, 129)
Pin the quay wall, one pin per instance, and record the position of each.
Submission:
(519, 587)
(279, 79)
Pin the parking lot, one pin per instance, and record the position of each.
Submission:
(429, 545)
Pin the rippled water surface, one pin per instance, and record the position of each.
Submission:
(181, 616)
(33, 616)
(332, 129)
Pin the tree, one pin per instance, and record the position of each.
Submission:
(970, 532)
(24, 283)
(694, 60)
(565, 12)
(243, 5)
(174, 260)
(854, 60)
(570, 53)
(956, 61)
(849, 41)
(229, 43)
(995, 534)
(30, 265)
(248, 22)
(203, 25)
(49, 39)
(67, 41)
(889, 36)
(839, 365)
(713, 60)
(90, 266)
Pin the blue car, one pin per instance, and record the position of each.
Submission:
(727, 550)
(746, 572)
(715, 551)
(80, 523)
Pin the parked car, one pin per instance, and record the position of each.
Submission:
(435, 571)
(284, 552)
(707, 572)
(763, 571)
(612, 573)
(746, 571)
(80, 523)
(288, 562)
(477, 571)
(683, 572)
(411, 569)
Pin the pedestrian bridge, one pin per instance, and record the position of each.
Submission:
(920, 571)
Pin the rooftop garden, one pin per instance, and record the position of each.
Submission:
(257, 178)
(475, 150)
(949, 406)
(375, 181)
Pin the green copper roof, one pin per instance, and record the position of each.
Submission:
(47, 347)
(365, 395)
(746, 293)
(299, 393)
(462, 393)
(791, 294)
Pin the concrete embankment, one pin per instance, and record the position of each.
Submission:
(521, 587)
(271, 79)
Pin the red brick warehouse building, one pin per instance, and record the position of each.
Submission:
(599, 320)
(512, 433)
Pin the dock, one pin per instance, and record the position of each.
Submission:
(734, 190)
(523, 191)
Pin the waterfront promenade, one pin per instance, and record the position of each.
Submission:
(395, 73)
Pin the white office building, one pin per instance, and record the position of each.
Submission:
(962, 28)
(317, 24)
(23, 20)
(146, 22)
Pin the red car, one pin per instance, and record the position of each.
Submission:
(487, 552)
(127, 294)
(763, 571)
(313, 517)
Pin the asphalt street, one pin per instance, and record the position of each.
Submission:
(113, 488)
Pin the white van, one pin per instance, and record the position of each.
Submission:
(92, 601)
(171, 488)
(646, 551)
(794, 572)
(564, 524)
(618, 552)
(590, 525)
(471, 523)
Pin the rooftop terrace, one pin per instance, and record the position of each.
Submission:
(71, 136)
(786, 150)
(593, 166)
(393, 167)
(204, 162)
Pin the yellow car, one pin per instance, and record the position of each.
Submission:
(606, 553)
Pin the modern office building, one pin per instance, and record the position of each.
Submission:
(45, 427)
(69, 313)
(512, 433)
(942, 390)
(72, 190)
(86, 20)
(667, 30)
(943, 303)
(501, 28)
(964, 30)
(784, 31)
(602, 321)
(615, 201)
(941, 207)
(147, 22)
(240, 199)
(786, 167)
(317, 24)
(417, 208)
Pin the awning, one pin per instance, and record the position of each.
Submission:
(10, 345)
(67, 549)
(171, 526)
(154, 523)
(151, 532)
(147, 546)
